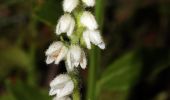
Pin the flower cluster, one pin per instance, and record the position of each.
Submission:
(79, 25)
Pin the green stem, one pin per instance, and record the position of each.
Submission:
(75, 77)
(95, 56)
(91, 75)
(76, 94)
(75, 38)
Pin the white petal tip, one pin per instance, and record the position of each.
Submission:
(102, 46)
(56, 62)
(51, 92)
(83, 67)
(89, 3)
(49, 60)
(88, 20)
(76, 64)
(89, 47)
(67, 90)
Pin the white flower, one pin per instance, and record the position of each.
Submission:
(63, 98)
(89, 3)
(94, 37)
(56, 52)
(88, 20)
(70, 5)
(65, 24)
(61, 86)
(75, 57)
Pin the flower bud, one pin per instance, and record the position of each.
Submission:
(88, 20)
(70, 5)
(65, 24)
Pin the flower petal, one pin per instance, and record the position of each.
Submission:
(88, 20)
(83, 62)
(102, 45)
(69, 64)
(54, 91)
(75, 54)
(65, 24)
(61, 55)
(96, 39)
(67, 90)
(70, 5)
(62, 98)
(49, 60)
(89, 3)
(54, 47)
(60, 79)
(71, 28)
(86, 39)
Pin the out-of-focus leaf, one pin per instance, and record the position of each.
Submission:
(22, 91)
(7, 97)
(111, 95)
(120, 75)
(13, 56)
(49, 11)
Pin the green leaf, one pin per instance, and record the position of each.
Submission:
(11, 57)
(22, 91)
(7, 97)
(14, 56)
(49, 11)
(121, 74)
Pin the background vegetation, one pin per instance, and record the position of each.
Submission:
(135, 65)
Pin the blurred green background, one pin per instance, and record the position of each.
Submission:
(135, 65)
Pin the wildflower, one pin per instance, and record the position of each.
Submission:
(88, 20)
(75, 57)
(89, 3)
(56, 52)
(65, 24)
(94, 37)
(70, 5)
(61, 86)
